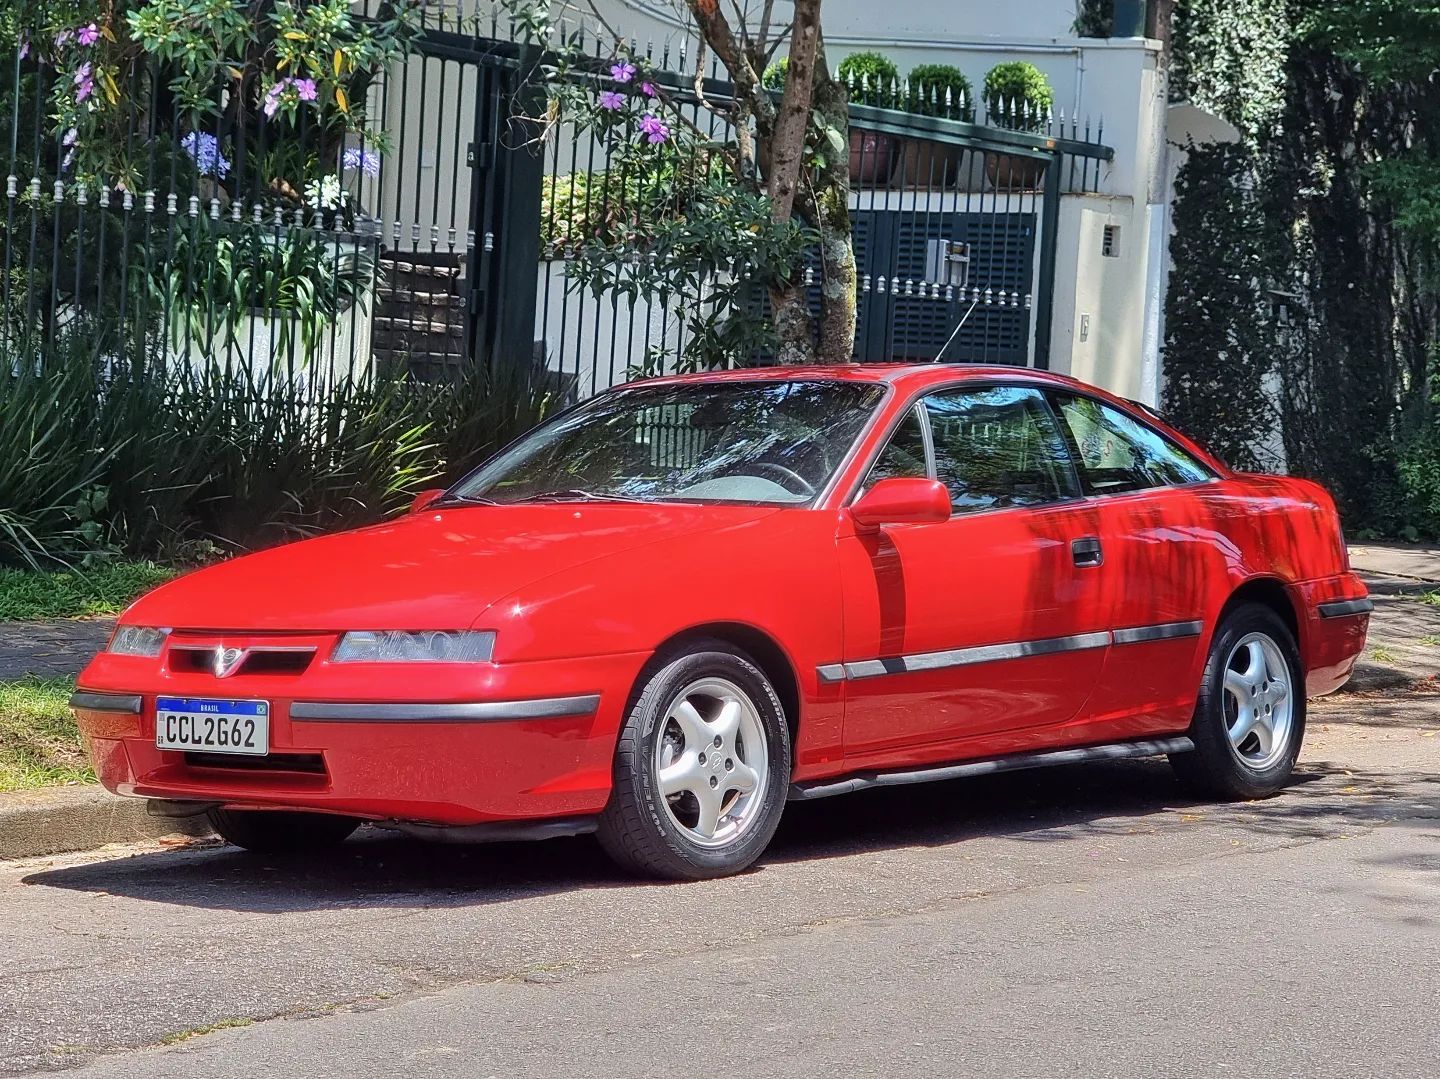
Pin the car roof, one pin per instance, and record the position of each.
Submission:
(903, 375)
(908, 378)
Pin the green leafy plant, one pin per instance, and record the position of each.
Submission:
(219, 273)
(39, 743)
(1018, 96)
(774, 76)
(939, 90)
(76, 593)
(870, 78)
(222, 459)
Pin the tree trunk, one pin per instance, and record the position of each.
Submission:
(792, 121)
(794, 327)
(829, 215)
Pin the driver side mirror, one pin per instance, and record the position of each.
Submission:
(425, 499)
(902, 500)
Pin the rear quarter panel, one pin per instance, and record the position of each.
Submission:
(1286, 530)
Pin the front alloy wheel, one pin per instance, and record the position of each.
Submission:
(701, 768)
(711, 762)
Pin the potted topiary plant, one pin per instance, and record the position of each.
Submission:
(871, 79)
(935, 90)
(1018, 96)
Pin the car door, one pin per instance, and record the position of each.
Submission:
(982, 627)
(1144, 497)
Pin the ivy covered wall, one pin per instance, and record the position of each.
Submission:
(1333, 198)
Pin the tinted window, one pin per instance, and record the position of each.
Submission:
(998, 447)
(1118, 453)
(903, 455)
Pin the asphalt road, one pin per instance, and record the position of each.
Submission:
(1086, 922)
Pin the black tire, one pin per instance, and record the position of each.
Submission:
(636, 829)
(274, 831)
(1215, 768)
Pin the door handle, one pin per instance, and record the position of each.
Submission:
(1087, 552)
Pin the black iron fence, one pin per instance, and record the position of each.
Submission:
(296, 250)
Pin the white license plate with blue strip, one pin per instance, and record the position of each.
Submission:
(207, 725)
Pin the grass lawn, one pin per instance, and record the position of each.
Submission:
(75, 593)
(39, 745)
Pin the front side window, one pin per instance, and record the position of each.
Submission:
(904, 454)
(1117, 453)
(762, 441)
(998, 447)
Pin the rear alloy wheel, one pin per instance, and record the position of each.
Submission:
(701, 769)
(275, 831)
(1250, 717)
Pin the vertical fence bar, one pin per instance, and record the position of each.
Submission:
(1050, 224)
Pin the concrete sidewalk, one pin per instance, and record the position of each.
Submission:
(1414, 562)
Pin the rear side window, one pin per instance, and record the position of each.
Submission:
(1117, 453)
(998, 447)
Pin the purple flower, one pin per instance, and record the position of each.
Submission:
(84, 90)
(356, 159)
(648, 89)
(611, 100)
(88, 35)
(272, 97)
(63, 38)
(24, 46)
(305, 88)
(82, 73)
(653, 129)
(623, 71)
(204, 150)
(70, 137)
(69, 160)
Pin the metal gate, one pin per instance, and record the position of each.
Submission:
(954, 227)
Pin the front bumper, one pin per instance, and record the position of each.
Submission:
(487, 743)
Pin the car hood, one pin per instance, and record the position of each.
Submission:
(438, 569)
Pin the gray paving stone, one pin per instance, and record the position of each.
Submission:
(50, 649)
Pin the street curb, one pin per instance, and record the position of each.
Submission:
(59, 820)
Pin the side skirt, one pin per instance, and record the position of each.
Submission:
(805, 792)
(494, 832)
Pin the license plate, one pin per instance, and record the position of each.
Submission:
(212, 726)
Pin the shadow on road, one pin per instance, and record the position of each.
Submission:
(379, 870)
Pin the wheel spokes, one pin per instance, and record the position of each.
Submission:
(1238, 686)
(743, 778)
(692, 725)
(1264, 731)
(1245, 722)
(680, 776)
(726, 725)
(709, 800)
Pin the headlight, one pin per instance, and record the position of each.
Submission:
(429, 646)
(137, 641)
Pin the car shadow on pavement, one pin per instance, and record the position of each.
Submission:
(378, 870)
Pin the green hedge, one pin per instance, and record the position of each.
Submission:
(95, 464)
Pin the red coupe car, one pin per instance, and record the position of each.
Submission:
(670, 610)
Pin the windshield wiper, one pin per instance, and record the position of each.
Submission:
(575, 494)
(464, 500)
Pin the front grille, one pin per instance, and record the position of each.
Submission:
(274, 661)
(305, 763)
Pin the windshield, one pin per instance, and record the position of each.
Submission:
(762, 441)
